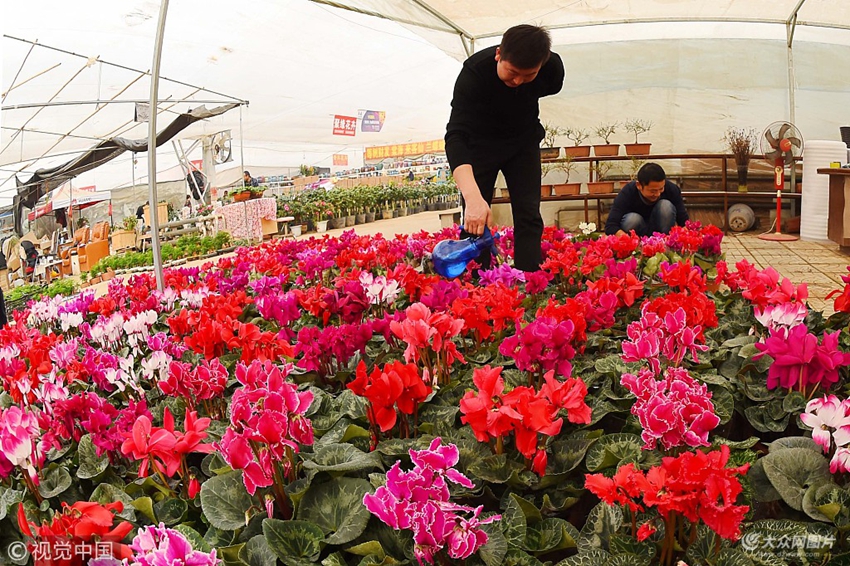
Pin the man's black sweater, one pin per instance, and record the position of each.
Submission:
(630, 200)
(484, 109)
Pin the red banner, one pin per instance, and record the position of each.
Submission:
(341, 159)
(345, 125)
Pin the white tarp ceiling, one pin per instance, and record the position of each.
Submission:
(297, 63)
(692, 67)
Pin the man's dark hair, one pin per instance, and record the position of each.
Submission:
(246, 173)
(650, 173)
(525, 46)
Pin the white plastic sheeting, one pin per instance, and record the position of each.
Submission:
(297, 63)
(814, 213)
(693, 68)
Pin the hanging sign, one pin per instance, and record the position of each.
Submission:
(371, 120)
(345, 125)
(340, 159)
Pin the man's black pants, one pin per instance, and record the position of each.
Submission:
(520, 164)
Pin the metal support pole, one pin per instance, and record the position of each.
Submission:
(152, 198)
(242, 158)
(241, 146)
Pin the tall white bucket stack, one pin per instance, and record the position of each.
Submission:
(814, 213)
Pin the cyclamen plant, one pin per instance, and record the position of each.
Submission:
(675, 410)
(829, 419)
(494, 414)
(420, 501)
(397, 388)
(159, 546)
(267, 428)
(695, 487)
(799, 362)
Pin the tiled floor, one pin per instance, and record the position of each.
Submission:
(820, 265)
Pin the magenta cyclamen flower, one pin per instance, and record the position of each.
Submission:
(675, 410)
(419, 500)
(798, 359)
(159, 546)
(542, 345)
(669, 337)
(504, 274)
(537, 281)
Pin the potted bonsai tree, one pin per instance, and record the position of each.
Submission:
(548, 149)
(600, 185)
(577, 136)
(742, 143)
(604, 132)
(566, 188)
(637, 127)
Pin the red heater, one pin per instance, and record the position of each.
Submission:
(780, 144)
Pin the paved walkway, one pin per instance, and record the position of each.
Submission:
(821, 265)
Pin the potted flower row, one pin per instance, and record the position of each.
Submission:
(342, 208)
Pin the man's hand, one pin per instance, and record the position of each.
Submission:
(620, 233)
(477, 215)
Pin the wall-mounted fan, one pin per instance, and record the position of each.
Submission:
(221, 147)
(781, 143)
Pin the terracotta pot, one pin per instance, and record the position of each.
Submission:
(578, 151)
(606, 150)
(550, 152)
(545, 190)
(242, 197)
(637, 148)
(600, 187)
(564, 189)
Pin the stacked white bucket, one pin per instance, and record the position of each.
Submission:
(814, 214)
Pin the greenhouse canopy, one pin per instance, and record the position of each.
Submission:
(71, 78)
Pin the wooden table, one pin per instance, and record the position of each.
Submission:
(838, 224)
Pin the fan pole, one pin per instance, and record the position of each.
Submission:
(778, 184)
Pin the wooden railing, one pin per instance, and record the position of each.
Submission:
(723, 158)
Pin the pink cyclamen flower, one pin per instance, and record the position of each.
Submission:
(825, 416)
(840, 461)
(782, 316)
(19, 432)
(675, 410)
(159, 546)
(419, 500)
